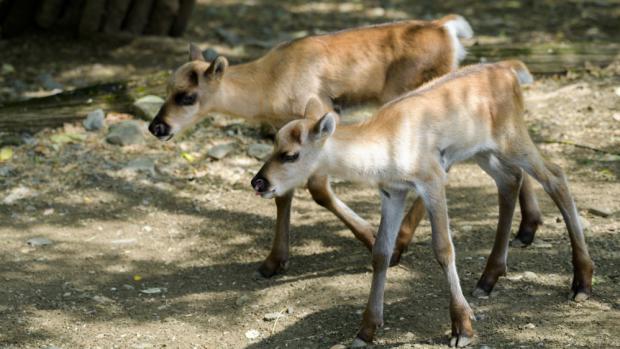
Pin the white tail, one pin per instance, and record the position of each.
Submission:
(459, 28)
(519, 68)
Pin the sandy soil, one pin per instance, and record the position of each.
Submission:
(165, 255)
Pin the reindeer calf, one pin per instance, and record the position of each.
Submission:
(412, 142)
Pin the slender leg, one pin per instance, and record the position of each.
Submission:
(508, 180)
(392, 211)
(407, 228)
(433, 193)
(531, 218)
(277, 260)
(554, 182)
(323, 195)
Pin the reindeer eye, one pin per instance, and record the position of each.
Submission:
(285, 157)
(185, 98)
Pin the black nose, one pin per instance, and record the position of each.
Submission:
(159, 128)
(259, 183)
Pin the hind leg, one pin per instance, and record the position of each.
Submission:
(531, 217)
(508, 180)
(554, 182)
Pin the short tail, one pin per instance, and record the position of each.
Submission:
(520, 69)
(458, 28)
(458, 25)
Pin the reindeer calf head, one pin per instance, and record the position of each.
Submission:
(191, 91)
(297, 153)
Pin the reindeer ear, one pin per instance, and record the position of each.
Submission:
(217, 68)
(325, 127)
(314, 109)
(195, 54)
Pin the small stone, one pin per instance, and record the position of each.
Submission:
(147, 107)
(128, 287)
(617, 91)
(484, 346)
(616, 116)
(143, 165)
(338, 346)
(125, 133)
(218, 152)
(17, 194)
(7, 69)
(5, 171)
(252, 334)
(528, 275)
(153, 290)
(600, 211)
(102, 299)
(260, 151)
(210, 54)
(242, 300)
(95, 120)
(47, 81)
(39, 241)
(409, 336)
(272, 316)
(228, 36)
(290, 310)
(480, 317)
(529, 326)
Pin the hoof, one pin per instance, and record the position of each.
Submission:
(480, 293)
(518, 243)
(460, 341)
(395, 260)
(269, 269)
(359, 343)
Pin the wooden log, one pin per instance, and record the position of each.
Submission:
(186, 7)
(138, 16)
(72, 106)
(49, 12)
(92, 16)
(162, 17)
(19, 17)
(555, 58)
(115, 14)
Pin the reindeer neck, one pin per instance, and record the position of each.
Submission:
(242, 92)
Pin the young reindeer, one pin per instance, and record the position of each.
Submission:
(367, 64)
(412, 142)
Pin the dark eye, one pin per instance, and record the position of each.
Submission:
(285, 157)
(185, 98)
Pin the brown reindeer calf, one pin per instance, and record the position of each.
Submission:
(412, 142)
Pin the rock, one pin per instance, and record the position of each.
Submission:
(228, 36)
(102, 299)
(147, 107)
(218, 152)
(600, 211)
(17, 194)
(95, 120)
(125, 133)
(259, 150)
(529, 326)
(338, 346)
(128, 287)
(242, 300)
(5, 171)
(272, 316)
(528, 275)
(48, 82)
(252, 334)
(617, 91)
(144, 165)
(484, 346)
(616, 116)
(409, 336)
(153, 290)
(39, 241)
(210, 54)
(7, 69)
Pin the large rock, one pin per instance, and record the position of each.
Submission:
(147, 107)
(220, 151)
(125, 133)
(95, 120)
(260, 151)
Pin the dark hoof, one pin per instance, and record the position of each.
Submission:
(395, 260)
(580, 292)
(269, 268)
(525, 235)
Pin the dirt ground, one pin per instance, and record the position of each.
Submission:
(157, 245)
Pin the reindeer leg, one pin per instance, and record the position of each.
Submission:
(531, 218)
(409, 225)
(277, 260)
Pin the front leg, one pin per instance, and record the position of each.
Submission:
(433, 194)
(277, 260)
(392, 211)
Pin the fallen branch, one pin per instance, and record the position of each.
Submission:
(577, 145)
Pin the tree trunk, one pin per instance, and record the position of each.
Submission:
(138, 16)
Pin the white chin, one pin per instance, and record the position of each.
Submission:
(269, 195)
